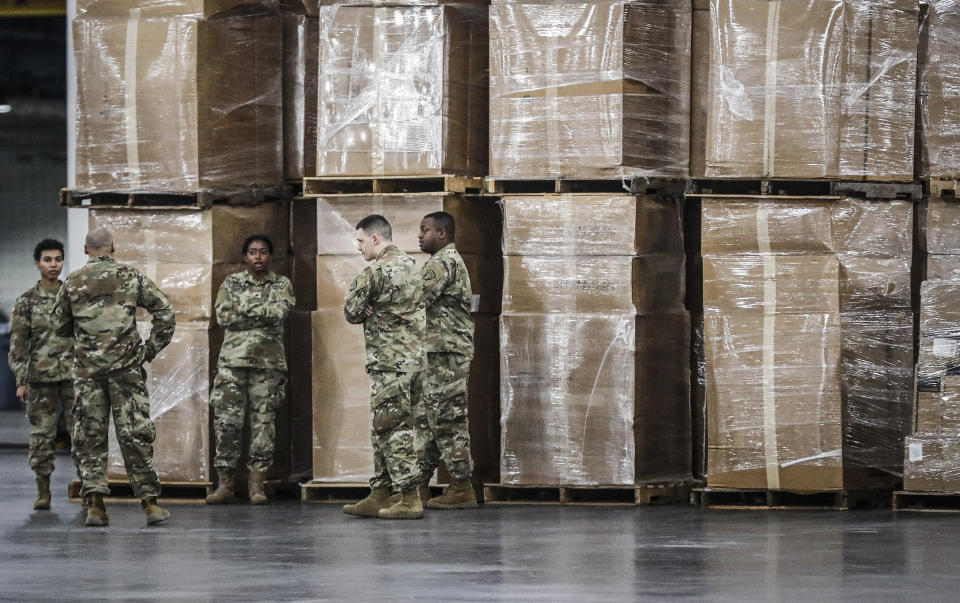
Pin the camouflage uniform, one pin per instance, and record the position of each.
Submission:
(442, 426)
(395, 356)
(97, 305)
(251, 372)
(43, 362)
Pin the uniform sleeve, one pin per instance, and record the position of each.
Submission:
(229, 314)
(163, 322)
(275, 309)
(361, 293)
(20, 340)
(62, 319)
(436, 275)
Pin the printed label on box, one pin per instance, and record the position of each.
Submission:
(916, 452)
(944, 348)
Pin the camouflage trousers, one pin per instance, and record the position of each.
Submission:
(238, 392)
(42, 412)
(392, 433)
(124, 393)
(443, 431)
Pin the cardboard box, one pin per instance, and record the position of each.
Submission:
(300, 53)
(939, 90)
(699, 90)
(646, 284)
(598, 90)
(210, 118)
(179, 381)
(942, 226)
(939, 314)
(165, 8)
(798, 284)
(932, 464)
(583, 224)
(815, 90)
(403, 91)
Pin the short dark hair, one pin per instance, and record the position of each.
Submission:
(257, 237)
(46, 245)
(376, 224)
(444, 221)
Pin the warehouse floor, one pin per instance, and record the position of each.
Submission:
(289, 551)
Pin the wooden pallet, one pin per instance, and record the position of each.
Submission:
(171, 492)
(646, 494)
(382, 185)
(942, 186)
(864, 189)
(624, 186)
(927, 502)
(757, 499)
(175, 200)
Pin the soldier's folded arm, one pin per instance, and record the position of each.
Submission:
(275, 310)
(19, 338)
(229, 314)
(62, 314)
(359, 296)
(163, 321)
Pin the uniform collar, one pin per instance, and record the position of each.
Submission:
(451, 246)
(101, 258)
(271, 276)
(46, 292)
(388, 249)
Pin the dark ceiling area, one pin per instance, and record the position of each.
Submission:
(33, 60)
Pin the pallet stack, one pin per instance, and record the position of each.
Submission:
(808, 325)
(588, 102)
(178, 121)
(402, 133)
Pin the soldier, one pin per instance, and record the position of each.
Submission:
(442, 416)
(97, 306)
(252, 369)
(387, 299)
(42, 362)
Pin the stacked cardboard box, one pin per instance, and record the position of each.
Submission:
(940, 239)
(403, 90)
(594, 351)
(177, 96)
(808, 331)
(939, 90)
(589, 90)
(817, 89)
(188, 253)
(300, 53)
(326, 261)
(932, 452)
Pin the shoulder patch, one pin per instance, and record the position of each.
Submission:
(430, 274)
(353, 285)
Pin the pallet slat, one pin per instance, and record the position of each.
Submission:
(757, 499)
(374, 185)
(172, 200)
(927, 502)
(630, 185)
(764, 187)
(646, 494)
(943, 186)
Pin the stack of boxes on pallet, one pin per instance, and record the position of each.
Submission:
(402, 108)
(808, 324)
(594, 336)
(180, 102)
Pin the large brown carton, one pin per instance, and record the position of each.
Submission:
(939, 90)
(937, 391)
(941, 226)
(598, 90)
(699, 91)
(932, 464)
(814, 89)
(403, 91)
(576, 398)
(178, 380)
(178, 104)
(587, 224)
(166, 8)
(300, 53)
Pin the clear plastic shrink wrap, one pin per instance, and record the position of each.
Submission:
(940, 239)
(932, 452)
(170, 100)
(595, 375)
(589, 90)
(812, 88)
(300, 54)
(939, 90)
(403, 90)
(809, 341)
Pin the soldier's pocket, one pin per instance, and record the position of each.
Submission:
(389, 416)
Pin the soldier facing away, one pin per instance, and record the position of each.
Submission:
(42, 362)
(442, 413)
(97, 306)
(251, 376)
(387, 298)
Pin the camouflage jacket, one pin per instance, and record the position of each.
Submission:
(37, 354)
(446, 295)
(391, 285)
(97, 305)
(252, 314)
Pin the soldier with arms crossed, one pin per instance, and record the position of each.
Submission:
(251, 376)
(97, 306)
(42, 362)
(387, 299)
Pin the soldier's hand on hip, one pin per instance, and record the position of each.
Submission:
(22, 393)
(368, 311)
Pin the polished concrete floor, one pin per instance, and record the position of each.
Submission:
(288, 551)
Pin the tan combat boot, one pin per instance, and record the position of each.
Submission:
(378, 498)
(458, 495)
(154, 512)
(43, 493)
(406, 506)
(223, 495)
(96, 511)
(255, 488)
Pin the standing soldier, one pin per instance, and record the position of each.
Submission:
(43, 364)
(252, 369)
(387, 299)
(446, 295)
(97, 306)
